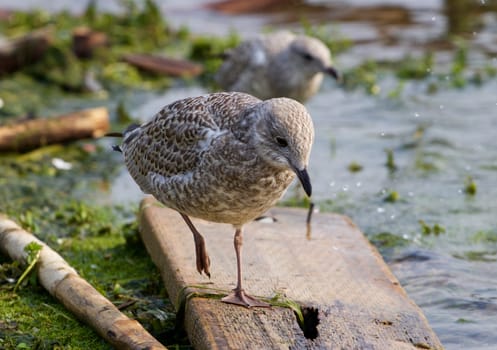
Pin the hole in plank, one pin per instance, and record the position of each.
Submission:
(311, 322)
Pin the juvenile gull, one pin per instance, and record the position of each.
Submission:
(222, 157)
(281, 64)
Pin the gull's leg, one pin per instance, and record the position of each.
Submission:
(238, 296)
(203, 261)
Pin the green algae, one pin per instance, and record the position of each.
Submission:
(435, 229)
(59, 72)
(114, 262)
(470, 187)
(354, 167)
(386, 241)
(392, 196)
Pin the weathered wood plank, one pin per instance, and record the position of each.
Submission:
(361, 304)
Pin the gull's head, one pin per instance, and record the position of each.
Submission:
(283, 136)
(312, 56)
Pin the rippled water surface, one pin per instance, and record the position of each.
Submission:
(438, 142)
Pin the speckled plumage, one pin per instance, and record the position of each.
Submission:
(280, 64)
(198, 156)
(222, 157)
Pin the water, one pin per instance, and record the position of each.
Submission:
(437, 140)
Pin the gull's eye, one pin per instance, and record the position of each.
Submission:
(307, 56)
(282, 142)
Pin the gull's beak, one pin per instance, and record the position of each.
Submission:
(304, 180)
(333, 72)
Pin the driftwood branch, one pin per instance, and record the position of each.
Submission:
(29, 134)
(16, 53)
(164, 65)
(77, 295)
(243, 6)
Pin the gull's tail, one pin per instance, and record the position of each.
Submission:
(124, 134)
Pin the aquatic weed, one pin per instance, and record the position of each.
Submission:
(470, 187)
(426, 229)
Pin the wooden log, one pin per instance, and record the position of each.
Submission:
(85, 41)
(77, 295)
(360, 304)
(32, 133)
(164, 65)
(18, 52)
(243, 6)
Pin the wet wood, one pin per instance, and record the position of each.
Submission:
(381, 14)
(164, 65)
(244, 6)
(5, 14)
(361, 305)
(77, 295)
(19, 52)
(32, 133)
(85, 41)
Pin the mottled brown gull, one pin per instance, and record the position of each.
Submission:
(222, 157)
(280, 64)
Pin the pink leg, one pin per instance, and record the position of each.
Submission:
(238, 296)
(203, 261)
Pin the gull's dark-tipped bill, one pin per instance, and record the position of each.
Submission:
(305, 180)
(334, 73)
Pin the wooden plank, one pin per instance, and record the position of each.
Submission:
(361, 304)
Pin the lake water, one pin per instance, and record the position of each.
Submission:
(438, 141)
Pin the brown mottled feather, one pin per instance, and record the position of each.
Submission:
(201, 156)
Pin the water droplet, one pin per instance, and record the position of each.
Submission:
(410, 194)
(482, 2)
(392, 217)
(382, 134)
(416, 115)
(345, 188)
(442, 107)
(380, 210)
(434, 18)
(332, 183)
(358, 184)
